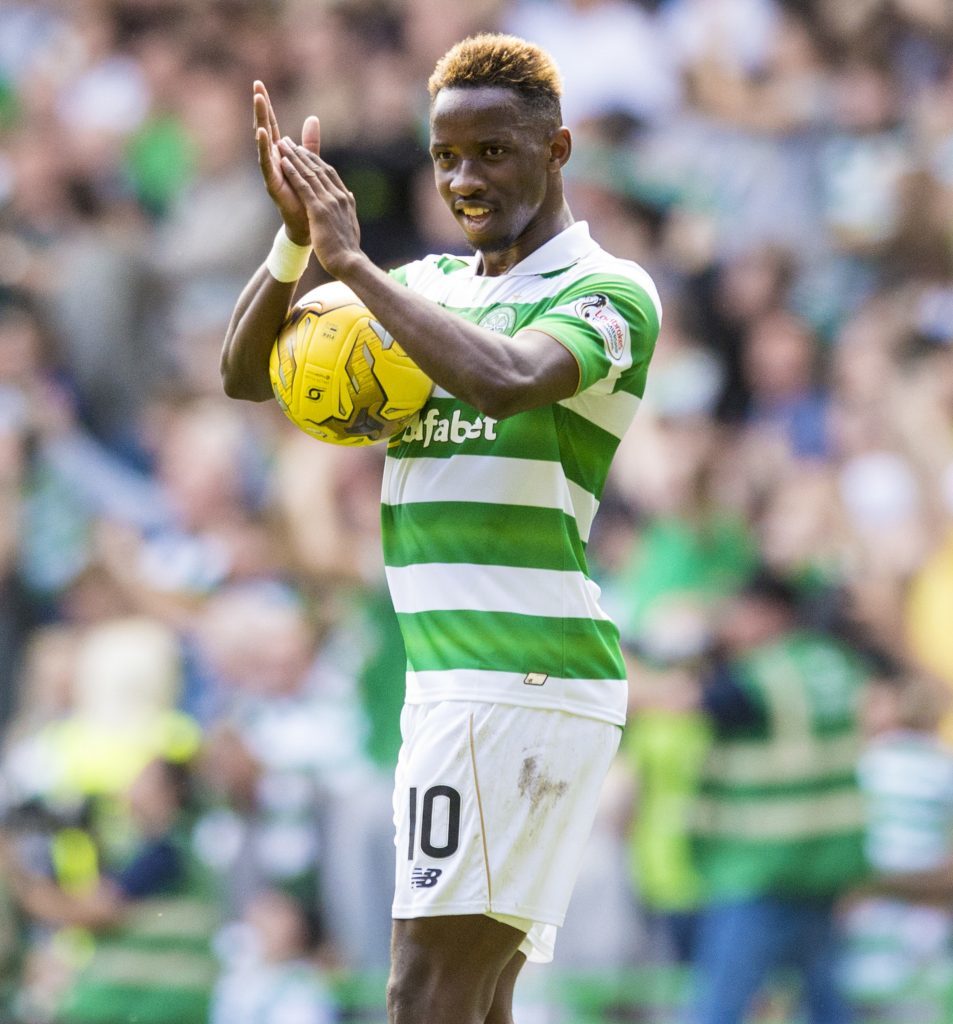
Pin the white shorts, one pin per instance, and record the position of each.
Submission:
(493, 805)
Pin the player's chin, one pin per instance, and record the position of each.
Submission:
(484, 234)
(495, 241)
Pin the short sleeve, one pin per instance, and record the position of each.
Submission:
(610, 324)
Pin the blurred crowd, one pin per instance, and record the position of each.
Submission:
(200, 671)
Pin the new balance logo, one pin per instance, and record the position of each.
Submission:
(424, 878)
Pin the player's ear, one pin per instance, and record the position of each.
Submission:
(560, 147)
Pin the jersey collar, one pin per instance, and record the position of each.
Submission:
(559, 253)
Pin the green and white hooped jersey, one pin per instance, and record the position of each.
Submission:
(485, 523)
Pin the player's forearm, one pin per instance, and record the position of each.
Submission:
(485, 369)
(259, 313)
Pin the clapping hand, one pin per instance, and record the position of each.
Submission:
(267, 138)
(329, 205)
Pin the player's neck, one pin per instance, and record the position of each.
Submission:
(502, 260)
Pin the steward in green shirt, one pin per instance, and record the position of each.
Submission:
(779, 818)
(780, 809)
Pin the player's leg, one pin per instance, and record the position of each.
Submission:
(458, 969)
(493, 805)
(501, 1012)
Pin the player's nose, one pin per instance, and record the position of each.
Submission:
(466, 181)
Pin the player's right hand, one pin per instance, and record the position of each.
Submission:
(267, 136)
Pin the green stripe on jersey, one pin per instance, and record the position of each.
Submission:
(537, 538)
(585, 450)
(553, 434)
(503, 642)
(442, 434)
(448, 264)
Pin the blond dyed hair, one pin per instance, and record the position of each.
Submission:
(506, 62)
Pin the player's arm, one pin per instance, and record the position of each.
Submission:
(258, 315)
(264, 303)
(496, 374)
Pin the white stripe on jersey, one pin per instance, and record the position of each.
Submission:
(439, 586)
(487, 478)
(614, 416)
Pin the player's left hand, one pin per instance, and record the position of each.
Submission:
(332, 212)
(267, 139)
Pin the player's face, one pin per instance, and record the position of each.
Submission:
(497, 169)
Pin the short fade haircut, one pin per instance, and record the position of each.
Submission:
(507, 62)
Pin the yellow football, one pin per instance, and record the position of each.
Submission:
(339, 376)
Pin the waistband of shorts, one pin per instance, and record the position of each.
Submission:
(602, 699)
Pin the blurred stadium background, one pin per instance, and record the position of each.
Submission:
(187, 579)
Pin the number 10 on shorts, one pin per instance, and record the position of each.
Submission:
(439, 822)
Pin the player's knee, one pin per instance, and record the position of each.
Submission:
(411, 999)
(409, 988)
(418, 990)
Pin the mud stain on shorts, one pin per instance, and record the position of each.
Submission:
(536, 787)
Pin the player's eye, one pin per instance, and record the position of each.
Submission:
(442, 156)
(494, 151)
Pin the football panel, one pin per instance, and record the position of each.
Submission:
(281, 369)
(366, 425)
(331, 295)
(405, 386)
(327, 387)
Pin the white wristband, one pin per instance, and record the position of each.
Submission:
(287, 260)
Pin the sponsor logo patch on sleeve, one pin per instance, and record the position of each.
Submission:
(607, 320)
